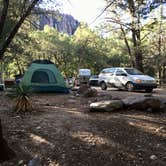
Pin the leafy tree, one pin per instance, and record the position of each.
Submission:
(90, 49)
(134, 12)
(156, 50)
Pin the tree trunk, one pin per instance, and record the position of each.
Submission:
(127, 45)
(138, 61)
(137, 49)
(5, 152)
(164, 73)
(3, 15)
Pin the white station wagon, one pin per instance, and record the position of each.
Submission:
(126, 78)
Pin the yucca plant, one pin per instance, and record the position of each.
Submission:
(22, 94)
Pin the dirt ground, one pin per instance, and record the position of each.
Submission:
(62, 132)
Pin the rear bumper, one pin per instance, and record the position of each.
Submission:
(145, 86)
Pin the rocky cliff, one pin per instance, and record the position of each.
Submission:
(63, 23)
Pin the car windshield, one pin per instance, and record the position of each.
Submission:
(133, 72)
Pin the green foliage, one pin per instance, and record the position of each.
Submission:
(85, 49)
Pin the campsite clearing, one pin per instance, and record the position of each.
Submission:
(62, 132)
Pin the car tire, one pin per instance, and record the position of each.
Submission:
(149, 90)
(103, 86)
(129, 86)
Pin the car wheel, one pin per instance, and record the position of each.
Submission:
(103, 86)
(148, 90)
(129, 86)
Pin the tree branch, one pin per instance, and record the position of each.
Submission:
(103, 11)
(15, 29)
(118, 22)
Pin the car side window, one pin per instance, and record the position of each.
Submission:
(111, 71)
(119, 72)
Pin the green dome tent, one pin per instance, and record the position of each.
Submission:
(43, 76)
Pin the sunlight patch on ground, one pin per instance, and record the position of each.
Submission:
(143, 117)
(54, 164)
(150, 128)
(90, 138)
(75, 112)
(39, 140)
(96, 140)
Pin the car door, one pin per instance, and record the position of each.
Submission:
(120, 78)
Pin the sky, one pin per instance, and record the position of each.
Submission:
(84, 10)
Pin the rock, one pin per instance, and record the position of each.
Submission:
(131, 101)
(61, 22)
(86, 91)
(20, 162)
(38, 127)
(143, 103)
(153, 157)
(83, 88)
(151, 104)
(163, 104)
(107, 106)
(91, 92)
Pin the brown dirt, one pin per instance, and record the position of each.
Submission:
(62, 132)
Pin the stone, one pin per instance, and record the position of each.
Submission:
(83, 88)
(106, 106)
(131, 101)
(20, 162)
(153, 157)
(38, 127)
(163, 104)
(91, 92)
(152, 104)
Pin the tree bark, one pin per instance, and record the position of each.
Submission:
(3, 15)
(136, 35)
(138, 61)
(127, 45)
(5, 152)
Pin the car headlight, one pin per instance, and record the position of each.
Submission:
(138, 81)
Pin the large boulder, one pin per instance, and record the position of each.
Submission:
(153, 104)
(106, 106)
